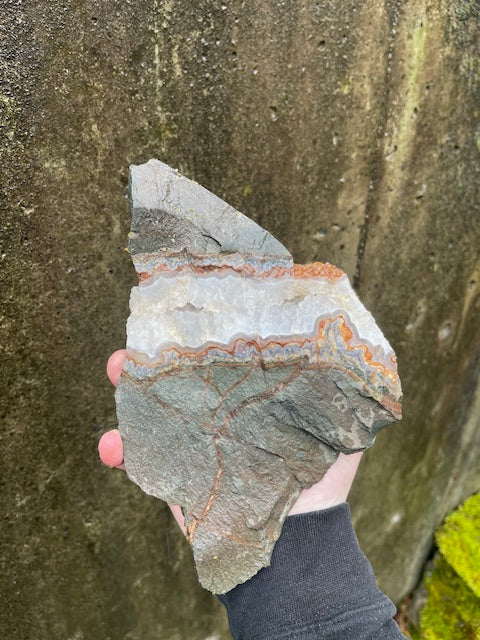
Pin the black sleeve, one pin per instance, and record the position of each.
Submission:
(319, 586)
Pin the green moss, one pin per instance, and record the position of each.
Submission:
(452, 611)
(459, 542)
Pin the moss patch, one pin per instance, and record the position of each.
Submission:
(452, 610)
(459, 542)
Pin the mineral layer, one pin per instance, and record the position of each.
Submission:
(245, 374)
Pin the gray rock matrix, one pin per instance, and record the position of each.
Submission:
(233, 443)
(172, 213)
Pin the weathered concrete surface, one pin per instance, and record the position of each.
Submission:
(352, 135)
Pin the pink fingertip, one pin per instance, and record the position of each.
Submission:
(178, 515)
(114, 366)
(110, 449)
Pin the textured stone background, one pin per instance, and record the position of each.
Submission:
(351, 130)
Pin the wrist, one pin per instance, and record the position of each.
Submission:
(318, 576)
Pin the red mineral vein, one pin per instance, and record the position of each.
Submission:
(263, 395)
(227, 391)
(197, 355)
(213, 494)
(238, 539)
(317, 270)
(210, 382)
(201, 267)
(268, 393)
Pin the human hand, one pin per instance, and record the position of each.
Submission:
(330, 491)
(110, 447)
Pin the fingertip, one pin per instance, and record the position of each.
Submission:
(110, 449)
(179, 517)
(114, 366)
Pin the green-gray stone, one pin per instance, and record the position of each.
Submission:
(190, 218)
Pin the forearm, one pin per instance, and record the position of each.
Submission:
(320, 585)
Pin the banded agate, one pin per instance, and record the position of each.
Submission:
(245, 374)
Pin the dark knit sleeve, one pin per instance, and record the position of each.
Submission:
(319, 586)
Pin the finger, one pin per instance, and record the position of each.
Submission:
(114, 366)
(110, 449)
(178, 515)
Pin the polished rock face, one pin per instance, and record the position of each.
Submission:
(245, 374)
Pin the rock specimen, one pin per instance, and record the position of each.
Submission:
(245, 373)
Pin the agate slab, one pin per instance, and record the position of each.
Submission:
(245, 374)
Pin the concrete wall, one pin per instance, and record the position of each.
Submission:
(351, 130)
